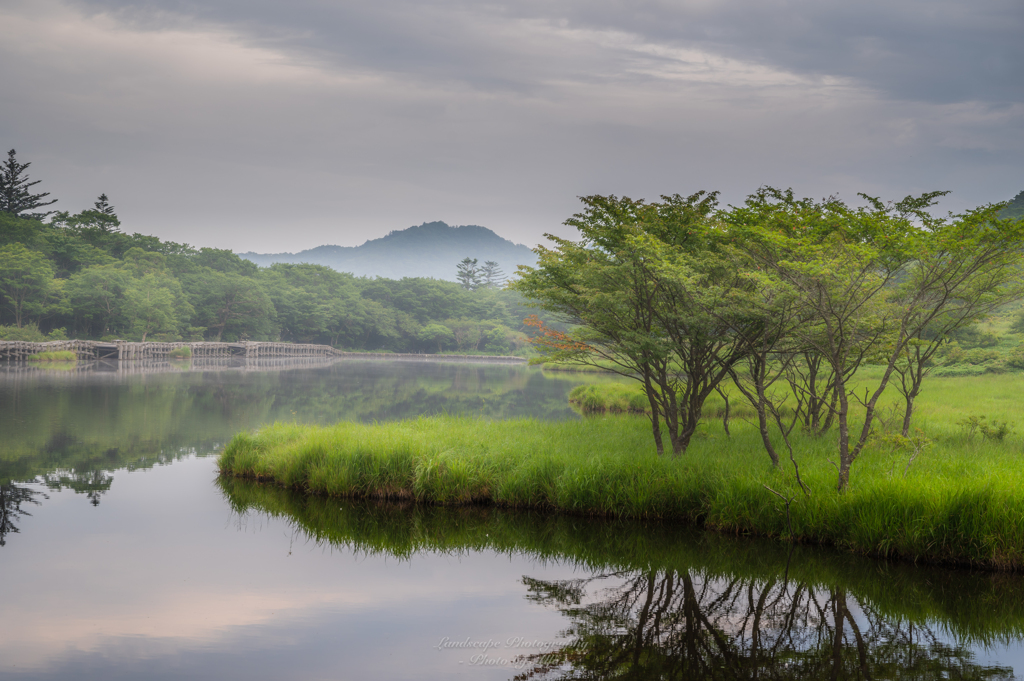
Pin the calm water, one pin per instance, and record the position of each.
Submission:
(125, 557)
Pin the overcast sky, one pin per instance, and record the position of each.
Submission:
(276, 126)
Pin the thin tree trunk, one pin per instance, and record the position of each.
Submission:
(908, 412)
(762, 417)
(844, 436)
(655, 410)
(725, 417)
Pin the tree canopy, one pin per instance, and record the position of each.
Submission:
(683, 295)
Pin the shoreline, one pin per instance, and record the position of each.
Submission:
(582, 468)
(15, 351)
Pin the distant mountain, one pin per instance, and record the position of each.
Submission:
(433, 249)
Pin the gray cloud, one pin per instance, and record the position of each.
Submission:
(943, 51)
(277, 127)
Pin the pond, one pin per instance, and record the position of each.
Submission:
(124, 556)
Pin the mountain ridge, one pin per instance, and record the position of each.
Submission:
(432, 249)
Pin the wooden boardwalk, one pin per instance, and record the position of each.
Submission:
(19, 351)
(129, 350)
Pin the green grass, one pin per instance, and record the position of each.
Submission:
(616, 398)
(565, 367)
(960, 501)
(53, 356)
(184, 352)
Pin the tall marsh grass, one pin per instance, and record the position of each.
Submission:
(959, 502)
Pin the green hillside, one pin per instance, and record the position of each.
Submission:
(1016, 207)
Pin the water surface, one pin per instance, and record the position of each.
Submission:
(125, 556)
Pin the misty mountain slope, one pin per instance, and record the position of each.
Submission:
(1015, 209)
(433, 249)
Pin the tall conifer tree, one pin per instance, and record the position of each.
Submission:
(15, 197)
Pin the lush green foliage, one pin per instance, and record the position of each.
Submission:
(79, 275)
(683, 297)
(1014, 209)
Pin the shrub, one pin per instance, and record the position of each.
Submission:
(994, 430)
(29, 333)
(959, 370)
(1015, 358)
(980, 356)
(184, 352)
(951, 353)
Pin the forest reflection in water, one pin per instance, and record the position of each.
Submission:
(70, 427)
(662, 602)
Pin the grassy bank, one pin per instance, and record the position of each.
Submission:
(53, 356)
(959, 502)
(565, 367)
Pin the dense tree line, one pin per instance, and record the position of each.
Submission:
(79, 275)
(784, 298)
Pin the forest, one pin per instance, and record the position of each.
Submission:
(79, 275)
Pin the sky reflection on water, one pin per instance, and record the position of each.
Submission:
(139, 563)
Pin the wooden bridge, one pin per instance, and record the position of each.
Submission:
(128, 350)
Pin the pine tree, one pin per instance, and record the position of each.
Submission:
(15, 197)
(468, 274)
(492, 275)
(103, 206)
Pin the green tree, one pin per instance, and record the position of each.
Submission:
(96, 295)
(155, 304)
(26, 279)
(223, 260)
(15, 193)
(963, 270)
(438, 334)
(626, 285)
(229, 302)
(315, 304)
(871, 281)
(21, 230)
(491, 275)
(102, 205)
(468, 274)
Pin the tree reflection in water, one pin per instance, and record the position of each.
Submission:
(662, 601)
(667, 624)
(12, 500)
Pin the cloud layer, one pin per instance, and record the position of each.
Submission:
(268, 126)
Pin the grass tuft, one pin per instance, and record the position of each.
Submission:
(53, 356)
